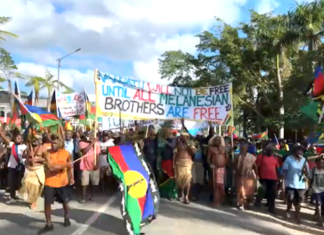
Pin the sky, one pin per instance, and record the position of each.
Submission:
(124, 37)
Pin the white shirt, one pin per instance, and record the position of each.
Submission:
(103, 157)
(12, 163)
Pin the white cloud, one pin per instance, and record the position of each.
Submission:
(123, 30)
(264, 6)
(70, 77)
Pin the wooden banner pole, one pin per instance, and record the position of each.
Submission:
(96, 82)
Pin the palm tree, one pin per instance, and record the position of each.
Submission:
(5, 20)
(50, 85)
(305, 25)
(35, 82)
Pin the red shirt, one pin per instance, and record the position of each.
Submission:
(268, 166)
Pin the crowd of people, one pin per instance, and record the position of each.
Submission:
(40, 164)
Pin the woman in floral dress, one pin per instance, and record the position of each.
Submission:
(245, 170)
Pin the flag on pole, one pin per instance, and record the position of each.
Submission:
(15, 109)
(29, 100)
(261, 135)
(53, 108)
(140, 195)
(37, 115)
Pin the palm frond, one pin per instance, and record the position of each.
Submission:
(4, 20)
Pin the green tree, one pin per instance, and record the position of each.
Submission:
(8, 70)
(268, 70)
(305, 26)
(50, 84)
(3, 34)
(35, 82)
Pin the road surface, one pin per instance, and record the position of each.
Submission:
(102, 217)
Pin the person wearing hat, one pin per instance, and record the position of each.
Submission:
(294, 169)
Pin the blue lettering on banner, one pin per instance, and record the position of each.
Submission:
(68, 99)
(178, 112)
(115, 91)
(113, 122)
(123, 81)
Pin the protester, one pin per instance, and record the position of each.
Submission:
(217, 160)
(166, 147)
(268, 166)
(34, 179)
(69, 142)
(245, 171)
(16, 166)
(183, 161)
(150, 150)
(105, 170)
(294, 167)
(205, 142)
(89, 165)
(198, 169)
(316, 177)
(58, 175)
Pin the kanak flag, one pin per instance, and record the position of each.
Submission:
(140, 194)
(318, 84)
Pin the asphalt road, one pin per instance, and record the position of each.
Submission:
(102, 217)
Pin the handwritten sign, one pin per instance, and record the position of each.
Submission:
(71, 104)
(143, 100)
(111, 123)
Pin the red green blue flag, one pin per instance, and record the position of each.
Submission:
(261, 135)
(37, 115)
(140, 195)
(318, 83)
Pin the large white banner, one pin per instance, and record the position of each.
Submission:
(143, 100)
(71, 104)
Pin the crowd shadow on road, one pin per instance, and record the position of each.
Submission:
(255, 221)
(259, 216)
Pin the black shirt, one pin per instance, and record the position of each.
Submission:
(170, 145)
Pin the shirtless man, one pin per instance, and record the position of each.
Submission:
(35, 155)
(217, 159)
(183, 161)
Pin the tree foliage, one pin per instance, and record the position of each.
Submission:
(3, 21)
(269, 60)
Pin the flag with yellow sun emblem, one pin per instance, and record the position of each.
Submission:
(140, 195)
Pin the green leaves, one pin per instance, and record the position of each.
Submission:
(3, 34)
(263, 58)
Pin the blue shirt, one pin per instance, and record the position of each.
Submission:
(198, 156)
(293, 170)
(69, 146)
